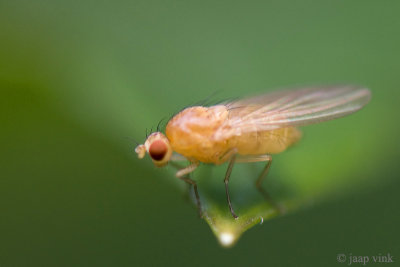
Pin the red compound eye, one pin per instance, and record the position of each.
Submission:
(157, 150)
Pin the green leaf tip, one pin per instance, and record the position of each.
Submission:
(228, 229)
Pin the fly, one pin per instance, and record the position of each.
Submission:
(247, 130)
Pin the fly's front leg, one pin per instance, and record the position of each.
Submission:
(187, 169)
(193, 183)
(183, 174)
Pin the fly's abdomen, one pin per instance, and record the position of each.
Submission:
(267, 142)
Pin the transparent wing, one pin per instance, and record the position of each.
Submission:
(292, 108)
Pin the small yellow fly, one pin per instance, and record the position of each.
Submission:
(247, 130)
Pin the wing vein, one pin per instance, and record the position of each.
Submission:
(292, 108)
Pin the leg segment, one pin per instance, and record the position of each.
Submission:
(183, 174)
(193, 183)
(226, 181)
(262, 177)
(187, 170)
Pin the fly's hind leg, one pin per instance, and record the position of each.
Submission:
(262, 177)
(183, 174)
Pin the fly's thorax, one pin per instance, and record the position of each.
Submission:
(191, 131)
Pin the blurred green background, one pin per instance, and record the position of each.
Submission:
(80, 79)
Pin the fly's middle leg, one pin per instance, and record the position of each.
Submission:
(226, 181)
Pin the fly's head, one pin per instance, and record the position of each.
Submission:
(158, 147)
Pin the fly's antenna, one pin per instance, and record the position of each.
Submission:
(146, 134)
